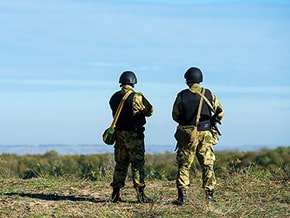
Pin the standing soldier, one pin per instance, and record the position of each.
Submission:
(129, 147)
(185, 110)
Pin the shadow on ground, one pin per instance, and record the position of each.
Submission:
(53, 197)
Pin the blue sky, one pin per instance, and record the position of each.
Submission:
(60, 61)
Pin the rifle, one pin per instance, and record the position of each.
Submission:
(214, 126)
(214, 121)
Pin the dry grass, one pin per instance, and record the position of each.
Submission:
(252, 193)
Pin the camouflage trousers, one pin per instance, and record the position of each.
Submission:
(202, 148)
(129, 149)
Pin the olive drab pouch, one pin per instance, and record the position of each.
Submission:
(109, 136)
(185, 134)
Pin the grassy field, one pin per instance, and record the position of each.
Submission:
(251, 193)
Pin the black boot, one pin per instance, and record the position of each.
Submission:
(181, 199)
(116, 195)
(209, 196)
(141, 197)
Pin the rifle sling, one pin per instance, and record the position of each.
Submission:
(206, 100)
(199, 109)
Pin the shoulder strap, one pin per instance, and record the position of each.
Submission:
(205, 99)
(119, 109)
(199, 108)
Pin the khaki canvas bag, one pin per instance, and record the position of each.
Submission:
(187, 134)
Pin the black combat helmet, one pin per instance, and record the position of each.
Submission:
(128, 77)
(193, 74)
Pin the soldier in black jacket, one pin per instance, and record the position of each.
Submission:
(129, 146)
(184, 112)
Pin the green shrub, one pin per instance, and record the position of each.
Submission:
(157, 166)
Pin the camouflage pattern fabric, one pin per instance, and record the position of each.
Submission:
(129, 149)
(140, 104)
(202, 148)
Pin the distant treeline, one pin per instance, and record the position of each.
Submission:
(157, 166)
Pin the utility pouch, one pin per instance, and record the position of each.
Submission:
(109, 136)
(185, 134)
